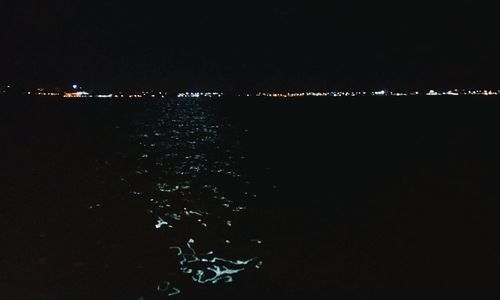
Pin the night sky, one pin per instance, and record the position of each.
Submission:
(248, 46)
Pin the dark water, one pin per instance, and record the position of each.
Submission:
(250, 199)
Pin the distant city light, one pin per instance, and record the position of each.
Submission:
(380, 93)
(77, 92)
(199, 94)
(76, 95)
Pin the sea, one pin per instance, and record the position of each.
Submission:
(250, 198)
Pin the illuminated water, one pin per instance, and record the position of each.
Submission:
(187, 172)
(248, 199)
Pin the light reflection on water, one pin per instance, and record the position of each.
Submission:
(187, 174)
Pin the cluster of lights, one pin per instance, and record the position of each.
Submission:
(347, 94)
(4, 89)
(279, 95)
(379, 93)
(456, 92)
(200, 94)
(42, 92)
(398, 94)
(83, 94)
(317, 94)
(51, 94)
(483, 93)
(137, 95)
(78, 92)
(308, 94)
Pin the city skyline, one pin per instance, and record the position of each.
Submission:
(78, 91)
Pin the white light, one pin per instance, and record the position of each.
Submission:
(75, 86)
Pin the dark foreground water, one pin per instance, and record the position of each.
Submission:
(371, 198)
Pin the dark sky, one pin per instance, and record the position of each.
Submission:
(249, 46)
